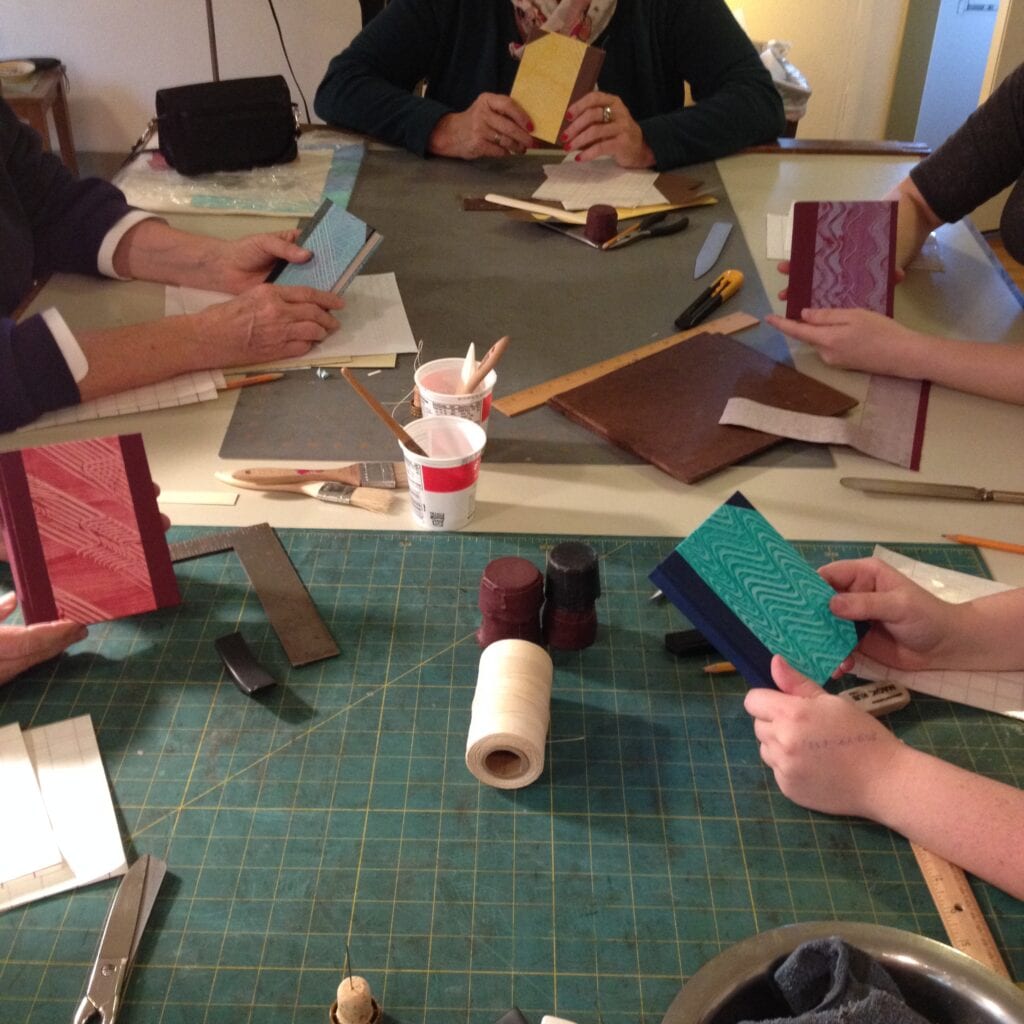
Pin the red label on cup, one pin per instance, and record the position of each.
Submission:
(452, 478)
(486, 409)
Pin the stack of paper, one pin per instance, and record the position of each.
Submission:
(374, 327)
(55, 799)
(578, 186)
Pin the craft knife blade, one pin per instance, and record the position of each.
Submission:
(712, 247)
(960, 492)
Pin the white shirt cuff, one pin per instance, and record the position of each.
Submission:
(67, 343)
(105, 257)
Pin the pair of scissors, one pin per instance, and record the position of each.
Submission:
(122, 933)
(654, 225)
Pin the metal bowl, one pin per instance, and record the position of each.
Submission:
(940, 983)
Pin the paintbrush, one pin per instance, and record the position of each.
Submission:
(368, 498)
(484, 367)
(386, 475)
(386, 418)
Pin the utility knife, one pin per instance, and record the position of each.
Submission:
(960, 492)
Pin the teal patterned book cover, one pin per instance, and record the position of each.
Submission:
(750, 592)
(340, 243)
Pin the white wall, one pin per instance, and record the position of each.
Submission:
(846, 49)
(119, 52)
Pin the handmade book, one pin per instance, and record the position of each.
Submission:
(752, 595)
(843, 256)
(83, 531)
(340, 243)
(554, 72)
(665, 408)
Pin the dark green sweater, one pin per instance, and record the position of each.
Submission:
(652, 47)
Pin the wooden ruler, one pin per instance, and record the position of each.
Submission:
(958, 907)
(290, 609)
(532, 397)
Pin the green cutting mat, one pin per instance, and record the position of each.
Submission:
(339, 809)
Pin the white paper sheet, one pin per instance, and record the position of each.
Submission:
(74, 787)
(578, 186)
(1002, 692)
(373, 322)
(29, 843)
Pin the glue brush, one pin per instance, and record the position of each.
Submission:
(368, 498)
(385, 475)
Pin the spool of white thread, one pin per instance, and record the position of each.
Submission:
(511, 712)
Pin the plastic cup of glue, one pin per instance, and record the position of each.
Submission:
(437, 383)
(442, 486)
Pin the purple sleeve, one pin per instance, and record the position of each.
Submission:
(68, 218)
(34, 378)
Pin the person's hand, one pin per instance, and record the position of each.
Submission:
(494, 125)
(910, 628)
(21, 647)
(827, 754)
(601, 125)
(266, 323)
(857, 339)
(242, 264)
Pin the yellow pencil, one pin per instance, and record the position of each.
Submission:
(984, 542)
(258, 378)
(719, 668)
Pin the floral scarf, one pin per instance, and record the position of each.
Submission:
(582, 19)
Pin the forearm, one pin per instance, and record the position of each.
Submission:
(991, 369)
(154, 251)
(986, 634)
(915, 221)
(128, 357)
(968, 819)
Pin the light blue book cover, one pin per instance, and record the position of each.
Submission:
(340, 242)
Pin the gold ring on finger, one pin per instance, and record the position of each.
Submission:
(606, 114)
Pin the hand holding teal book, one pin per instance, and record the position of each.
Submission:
(340, 243)
(752, 595)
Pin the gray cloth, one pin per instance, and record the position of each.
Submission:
(827, 981)
(979, 160)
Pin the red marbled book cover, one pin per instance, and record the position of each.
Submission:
(843, 256)
(83, 531)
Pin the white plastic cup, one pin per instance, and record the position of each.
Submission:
(437, 382)
(442, 486)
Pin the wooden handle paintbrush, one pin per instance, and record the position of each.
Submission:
(484, 367)
(369, 498)
(385, 475)
(386, 418)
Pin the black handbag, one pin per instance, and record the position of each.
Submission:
(230, 125)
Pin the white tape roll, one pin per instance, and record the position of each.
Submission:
(511, 712)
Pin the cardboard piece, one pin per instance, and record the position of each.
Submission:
(665, 408)
(843, 257)
(83, 531)
(752, 595)
(554, 71)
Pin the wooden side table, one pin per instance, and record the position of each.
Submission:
(36, 97)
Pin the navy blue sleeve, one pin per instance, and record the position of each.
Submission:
(34, 378)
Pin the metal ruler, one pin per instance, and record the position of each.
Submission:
(958, 907)
(290, 609)
(532, 397)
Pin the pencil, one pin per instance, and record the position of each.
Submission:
(984, 542)
(244, 382)
(719, 668)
